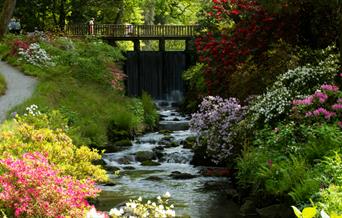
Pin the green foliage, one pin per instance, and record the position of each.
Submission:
(151, 116)
(3, 85)
(194, 79)
(258, 72)
(331, 199)
(292, 160)
(45, 133)
(81, 87)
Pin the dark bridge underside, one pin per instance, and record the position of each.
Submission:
(158, 73)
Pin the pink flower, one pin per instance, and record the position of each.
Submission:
(337, 107)
(327, 87)
(321, 111)
(32, 187)
(305, 101)
(322, 97)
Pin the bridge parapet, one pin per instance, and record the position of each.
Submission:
(134, 31)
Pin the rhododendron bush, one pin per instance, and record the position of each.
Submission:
(31, 187)
(242, 28)
(325, 105)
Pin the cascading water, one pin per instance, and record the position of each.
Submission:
(193, 194)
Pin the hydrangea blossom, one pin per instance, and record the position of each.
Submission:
(212, 124)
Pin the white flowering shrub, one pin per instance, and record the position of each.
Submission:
(212, 124)
(35, 55)
(139, 209)
(293, 84)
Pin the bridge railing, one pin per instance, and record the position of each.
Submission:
(139, 31)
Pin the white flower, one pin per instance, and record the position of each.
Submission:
(171, 213)
(324, 214)
(116, 212)
(140, 199)
(167, 195)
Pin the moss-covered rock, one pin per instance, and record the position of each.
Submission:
(144, 156)
(150, 163)
(123, 143)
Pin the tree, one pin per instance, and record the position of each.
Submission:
(6, 14)
(320, 9)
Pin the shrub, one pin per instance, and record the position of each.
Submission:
(34, 54)
(331, 199)
(150, 113)
(325, 105)
(29, 134)
(212, 124)
(31, 187)
(275, 104)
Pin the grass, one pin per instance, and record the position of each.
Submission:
(79, 85)
(3, 85)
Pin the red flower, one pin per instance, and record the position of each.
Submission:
(235, 12)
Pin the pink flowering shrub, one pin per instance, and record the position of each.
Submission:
(324, 105)
(31, 187)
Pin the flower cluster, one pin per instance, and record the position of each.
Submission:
(31, 187)
(35, 55)
(241, 28)
(212, 123)
(276, 102)
(32, 110)
(325, 103)
(137, 208)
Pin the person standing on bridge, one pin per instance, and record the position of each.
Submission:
(91, 26)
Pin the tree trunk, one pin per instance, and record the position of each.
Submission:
(6, 14)
(62, 15)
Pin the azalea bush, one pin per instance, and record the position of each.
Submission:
(212, 124)
(31, 187)
(38, 132)
(325, 105)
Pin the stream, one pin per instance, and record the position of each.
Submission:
(193, 194)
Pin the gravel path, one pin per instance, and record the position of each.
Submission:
(19, 88)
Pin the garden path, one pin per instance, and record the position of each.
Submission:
(19, 88)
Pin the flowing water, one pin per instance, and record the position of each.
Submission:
(194, 196)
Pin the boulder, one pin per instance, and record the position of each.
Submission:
(154, 178)
(99, 162)
(144, 155)
(158, 152)
(179, 175)
(217, 171)
(124, 160)
(111, 169)
(248, 208)
(276, 211)
(150, 163)
(123, 143)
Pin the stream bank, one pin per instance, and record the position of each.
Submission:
(159, 162)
